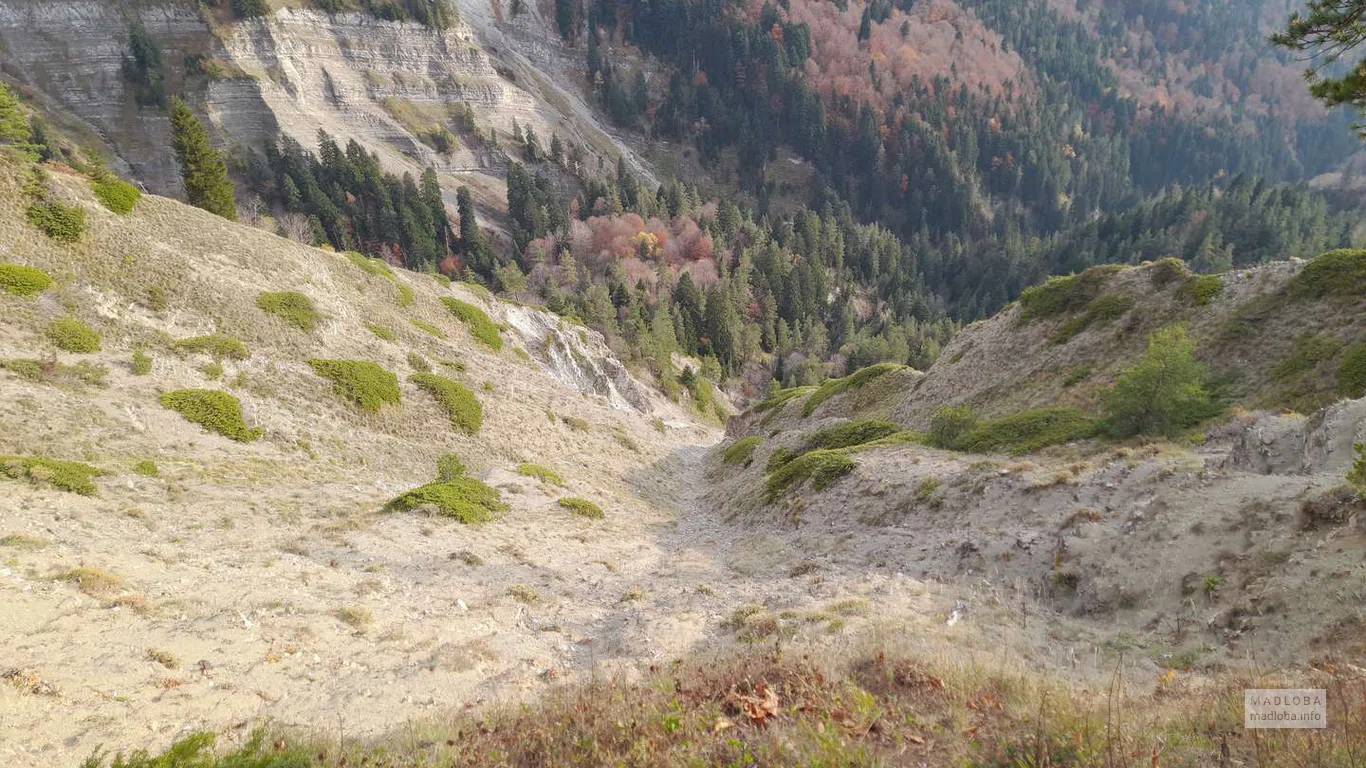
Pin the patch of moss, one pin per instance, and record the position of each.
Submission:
(480, 324)
(459, 403)
(427, 327)
(1101, 311)
(371, 267)
(216, 345)
(22, 280)
(364, 384)
(582, 507)
(855, 380)
(1030, 430)
(63, 223)
(116, 195)
(72, 335)
(1335, 273)
(69, 476)
(741, 451)
(381, 332)
(463, 498)
(822, 468)
(291, 306)
(147, 468)
(1351, 378)
(1064, 294)
(213, 410)
(544, 474)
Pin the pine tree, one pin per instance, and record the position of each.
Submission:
(15, 129)
(201, 166)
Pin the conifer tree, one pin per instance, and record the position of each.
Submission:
(201, 166)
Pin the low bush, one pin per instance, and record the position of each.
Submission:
(142, 363)
(1101, 311)
(463, 498)
(783, 397)
(478, 290)
(480, 324)
(1351, 378)
(117, 195)
(366, 385)
(69, 476)
(64, 223)
(1306, 353)
(741, 451)
(460, 404)
(779, 458)
(582, 508)
(405, 295)
(216, 345)
(147, 468)
(381, 332)
(822, 468)
(1335, 273)
(428, 328)
(1029, 430)
(53, 372)
(371, 267)
(197, 750)
(1202, 289)
(72, 335)
(22, 280)
(1163, 392)
(856, 380)
(449, 467)
(544, 474)
(1063, 294)
(213, 410)
(950, 424)
(851, 434)
(292, 307)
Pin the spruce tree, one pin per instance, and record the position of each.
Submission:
(201, 166)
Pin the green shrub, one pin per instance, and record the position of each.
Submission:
(822, 468)
(1202, 289)
(1029, 431)
(582, 508)
(478, 290)
(50, 372)
(449, 467)
(196, 751)
(63, 223)
(853, 381)
(405, 295)
(213, 370)
(1335, 273)
(783, 397)
(427, 327)
(213, 410)
(69, 476)
(216, 345)
(480, 324)
(927, 488)
(1164, 272)
(156, 298)
(544, 474)
(949, 425)
(142, 363)
(463, 498)
(1306, 353)
(1163, 392)
(1352, 373)
(381, 332)
(147, 468)
(1102, 310)
(292, 307)
(371, 267)
(1064, 294)
(459, 403)
(21, 280)
(116, 195)
(741, 451)
(365, 384)
(851, 434)
(72, 335)
(1357, 476)
(780, 458)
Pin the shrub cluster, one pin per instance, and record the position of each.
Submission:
(856, 380)
(459, 403)
(72, 335)
(850, 434)
(1335, 273)
(582, 507)
(822, 468)
(213, 410)
(449, 467)
(741, 451)
(959, 428)
(291, 306)
(381, 332)
(117, 195)
(64, 223)
(481, 325)
(1067, 293)
(1101, 311)
(371, 267)
(1202, 289)
(69, 476)
(427, 327)
(22, 280)
(463, 498)
(51, 372)
(544, 474)
(366, 385)
(1351, 379)
(216, 345)
(1163, 392)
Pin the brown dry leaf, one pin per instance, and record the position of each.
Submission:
(722, 724)
(760, 705)
(972, 731)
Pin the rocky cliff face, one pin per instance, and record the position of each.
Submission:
(297, 71)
